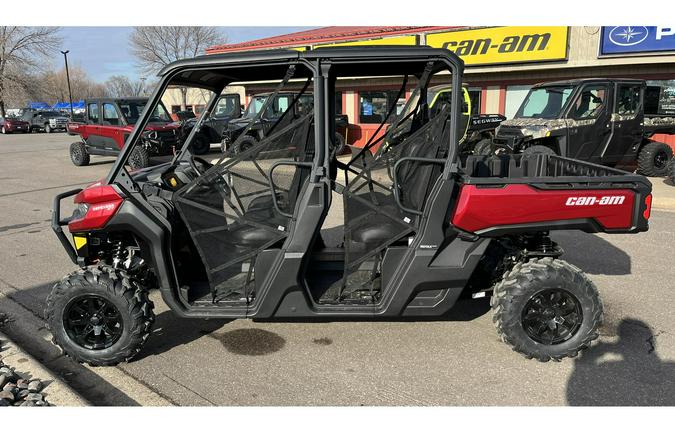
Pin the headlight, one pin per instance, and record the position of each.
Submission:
(152, 135)
(80, 211)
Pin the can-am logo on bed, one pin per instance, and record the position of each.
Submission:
(636, 39)
(594, 200)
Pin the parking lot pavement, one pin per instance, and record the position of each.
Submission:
(458, 361)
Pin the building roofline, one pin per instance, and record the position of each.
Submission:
(326, 34)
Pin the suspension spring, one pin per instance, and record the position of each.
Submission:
(117, 251)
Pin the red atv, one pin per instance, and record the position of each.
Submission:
(256, 234)
(108, 123)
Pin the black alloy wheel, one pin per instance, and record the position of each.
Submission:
(661, 159)
(552, 316)
(92, 322)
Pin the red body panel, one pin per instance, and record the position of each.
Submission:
(482, 208)
(117, 133)
(103, 202)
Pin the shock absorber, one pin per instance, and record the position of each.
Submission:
(117, 251)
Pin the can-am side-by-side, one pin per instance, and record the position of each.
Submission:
(259, 234)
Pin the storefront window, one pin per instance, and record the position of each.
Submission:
(475, 95)
(660, 97)
(374, 105)
(338, 103)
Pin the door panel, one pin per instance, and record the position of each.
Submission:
(111, 124)
(235, 211)
(627, 120)
(589, 123)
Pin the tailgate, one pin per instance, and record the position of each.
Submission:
(494, 210)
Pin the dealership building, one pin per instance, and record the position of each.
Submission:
(502, 63)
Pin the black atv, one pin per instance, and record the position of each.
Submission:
(243, 133)
(228, 107)
(257, 235)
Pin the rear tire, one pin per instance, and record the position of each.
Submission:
(526, 299)
(78, 154)
(243, 143)
(483, 147)
(538, 149)
(653, 159)
(4, 131)
(139, 158)
(122, 315)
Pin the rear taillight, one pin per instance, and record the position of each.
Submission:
(648, 207)
(95, 206)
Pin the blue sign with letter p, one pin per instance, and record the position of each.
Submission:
(636, 39)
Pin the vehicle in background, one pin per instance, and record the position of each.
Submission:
(228, 107)
(108, 122)
(45, 120)
(243, 132)
(604, 121)
(13, 125)
(480, 128)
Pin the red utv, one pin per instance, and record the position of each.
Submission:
(258, 233)
(108, 123)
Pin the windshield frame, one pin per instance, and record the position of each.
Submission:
(119, 103)
(562, 111)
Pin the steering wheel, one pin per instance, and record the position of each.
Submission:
(192, 160)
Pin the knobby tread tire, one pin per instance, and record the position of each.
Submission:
(117, 287)
(646, 156)
(526, 279)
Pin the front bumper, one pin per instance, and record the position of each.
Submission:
(58, 223)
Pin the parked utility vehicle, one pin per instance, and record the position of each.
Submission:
(253, 126)
(255, 236)
(108, 123)
(604, 121)
(44, 120)
(227, 108)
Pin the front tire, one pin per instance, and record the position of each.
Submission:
(546, 309)
(139, 158)
(79, 154)
(538, 149)
(653, 159)
(483, 147)
(244, 143)
(671, 171)
(4, 131)
(48, 129)
(200, 145)
(99, 316)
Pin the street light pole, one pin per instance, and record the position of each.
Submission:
(70, 94)
(143, 86)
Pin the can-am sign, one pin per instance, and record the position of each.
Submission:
(637, 39)
(505, 44)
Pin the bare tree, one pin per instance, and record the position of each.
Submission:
(157, 46)
(122, 86)
(22, 49)
(54, 86)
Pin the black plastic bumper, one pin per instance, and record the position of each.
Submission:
(58, 223)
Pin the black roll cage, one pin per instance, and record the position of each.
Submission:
(319, 63)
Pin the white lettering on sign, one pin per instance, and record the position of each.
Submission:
(573, 201)
(664, 32)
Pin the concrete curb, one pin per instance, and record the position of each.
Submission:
(56, 392)
(663, 194)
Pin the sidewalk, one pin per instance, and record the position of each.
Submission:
(663, 194)
(56, 392)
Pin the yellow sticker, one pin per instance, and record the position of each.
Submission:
(80, 242)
